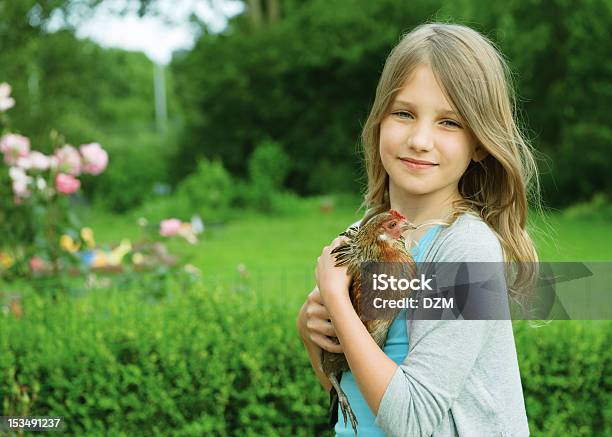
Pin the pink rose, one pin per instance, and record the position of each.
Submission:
(39, 161)
(66, 184)
(14, 146)
(24, 162)
(37, 264)
(6, 101)
(95, 158)
(69, 160)
(21, 182)
(20, 189)
(169, 227)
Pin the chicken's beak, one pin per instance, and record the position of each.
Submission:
(407, 226)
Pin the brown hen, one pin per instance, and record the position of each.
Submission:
(378, 240)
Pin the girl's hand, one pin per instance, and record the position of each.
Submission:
(315, 324)
(331, 280)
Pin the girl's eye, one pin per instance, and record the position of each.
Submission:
(451, 123)
(403, 112)
(392, 225)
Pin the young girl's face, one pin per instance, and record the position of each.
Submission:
(424, 145)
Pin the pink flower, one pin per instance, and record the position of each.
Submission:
(6, 101)
(169, 227)
(20, 189)
(39, 161)
(66, 184)
(41, 184)
(21, 182)
(69, 160)
(18, 173)
(14, 146)
(95, 158)
(37, 264)
(187, 233)
(24, 162)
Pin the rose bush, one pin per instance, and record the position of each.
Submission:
(35, 212)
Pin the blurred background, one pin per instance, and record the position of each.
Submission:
(157, 293)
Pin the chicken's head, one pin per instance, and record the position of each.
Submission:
(388, 226)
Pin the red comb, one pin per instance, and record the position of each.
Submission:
(396, 214)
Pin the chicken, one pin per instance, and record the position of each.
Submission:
(378, 240)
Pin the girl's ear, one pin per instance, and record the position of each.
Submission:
(480, 153)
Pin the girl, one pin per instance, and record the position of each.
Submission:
(440, 144)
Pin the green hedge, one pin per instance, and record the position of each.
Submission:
(566, 371)
(216, 362)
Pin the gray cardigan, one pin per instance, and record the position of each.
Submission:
(460, 377)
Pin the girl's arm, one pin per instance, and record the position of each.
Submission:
(371, 367)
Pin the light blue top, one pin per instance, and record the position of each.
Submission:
(396, 348)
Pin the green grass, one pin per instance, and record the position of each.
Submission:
(280, 252)
(559, 238)
(273, 242)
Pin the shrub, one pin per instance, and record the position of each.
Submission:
(598, 208)
(201, 362)
(161, 208)
(268, 169)
(333, 176)
(209, 190)
(565, 371)
(268, 166)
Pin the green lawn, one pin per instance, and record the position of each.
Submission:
(561, 239)
(275, 243)
(280, 252)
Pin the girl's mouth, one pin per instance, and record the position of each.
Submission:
(414, 164)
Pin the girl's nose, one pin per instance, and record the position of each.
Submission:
(421, 139)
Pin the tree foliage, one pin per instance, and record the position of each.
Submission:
(303, 73)
(85, 93)
(307, 81)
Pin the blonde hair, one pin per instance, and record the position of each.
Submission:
(477, 82)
